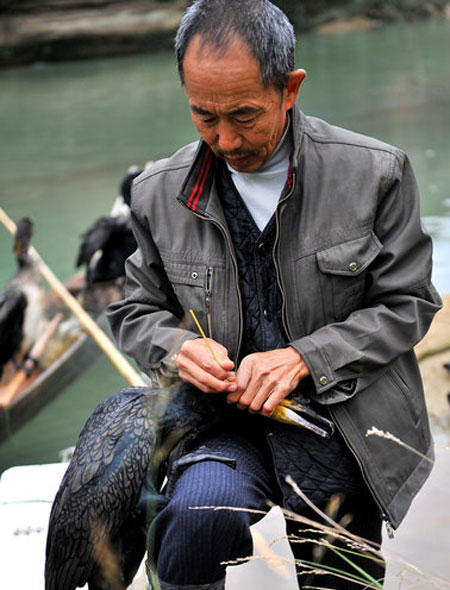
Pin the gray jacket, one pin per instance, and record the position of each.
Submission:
(353, 266)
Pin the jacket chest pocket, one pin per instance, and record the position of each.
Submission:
(343, 274)
(194, 286)
(188, 280)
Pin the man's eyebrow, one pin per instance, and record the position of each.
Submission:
(236, 113)
(199, 110)
(245, 111)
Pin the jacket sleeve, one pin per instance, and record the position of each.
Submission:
(400, 302)
(148, 323)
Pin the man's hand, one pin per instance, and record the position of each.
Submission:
(197, 366)
(264, 379)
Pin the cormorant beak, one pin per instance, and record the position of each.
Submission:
(293, 412)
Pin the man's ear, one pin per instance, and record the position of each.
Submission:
(292, 88)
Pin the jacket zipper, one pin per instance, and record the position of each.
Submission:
(223, 229)
(275, 257)
(276, 260)
(208, 298)
(384, 516)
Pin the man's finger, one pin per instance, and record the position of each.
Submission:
(187, 362)
(198, 352)
(242, 383)
(190, 371)
(207, 384)
(256, 402)
(244, 374)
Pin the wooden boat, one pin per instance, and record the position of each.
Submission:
(44, 385)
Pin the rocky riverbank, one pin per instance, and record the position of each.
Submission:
(63, 30)
(53, 30)
(433, 353)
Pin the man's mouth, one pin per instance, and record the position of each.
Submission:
(236, 158)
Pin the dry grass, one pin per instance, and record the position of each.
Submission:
(330, 532)
(374, 431)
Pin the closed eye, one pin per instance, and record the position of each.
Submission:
(241, 121)
(208, 120)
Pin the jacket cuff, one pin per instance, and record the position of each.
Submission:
(317, 362)
(328, 389)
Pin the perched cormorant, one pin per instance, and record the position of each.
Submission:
(98, 523)
(21, 302)
(108, 242)
(99, 519)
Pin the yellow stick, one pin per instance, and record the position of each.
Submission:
(105, 343)
(200, 329)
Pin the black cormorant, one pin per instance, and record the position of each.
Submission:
(100, 516)
(108, 242)
(98, 523)
(21, 302)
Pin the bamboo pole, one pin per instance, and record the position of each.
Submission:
(105, 343)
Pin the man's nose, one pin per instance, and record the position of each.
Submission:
(228, 138)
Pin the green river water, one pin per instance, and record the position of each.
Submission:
(69, 131)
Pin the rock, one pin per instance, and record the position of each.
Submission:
(433, 353)
(67, 29)
(436, 382)
(355, 23)
(437, 339)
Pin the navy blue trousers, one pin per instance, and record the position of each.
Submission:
(189, 540)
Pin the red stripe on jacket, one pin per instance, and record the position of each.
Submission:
(198, 187)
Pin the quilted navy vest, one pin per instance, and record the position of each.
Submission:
(323, 467)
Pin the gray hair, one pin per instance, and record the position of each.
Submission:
(263, 27)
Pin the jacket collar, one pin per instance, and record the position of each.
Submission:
(298, 123)
(196, 189)
(197, 185)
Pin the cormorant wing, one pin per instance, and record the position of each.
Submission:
(120, 244)
(99, 491)
(109, 483)
(95, 238)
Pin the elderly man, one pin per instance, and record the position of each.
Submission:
(300, 248)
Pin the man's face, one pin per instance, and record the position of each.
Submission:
(240, 119)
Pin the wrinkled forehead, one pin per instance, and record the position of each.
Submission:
(227, 81)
